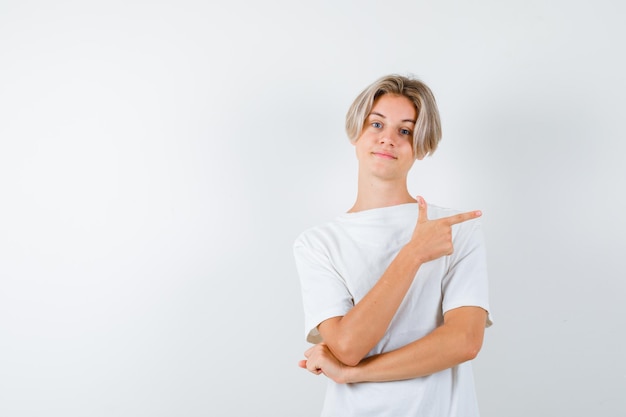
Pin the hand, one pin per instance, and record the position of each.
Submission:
(320, 360)
(432, 239)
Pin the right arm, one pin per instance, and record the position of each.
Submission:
(352, 336)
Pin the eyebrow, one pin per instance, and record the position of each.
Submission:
(384, 117)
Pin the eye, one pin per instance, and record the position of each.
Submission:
(405, 132)
(377, 125)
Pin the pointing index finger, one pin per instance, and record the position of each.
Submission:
(463, 217)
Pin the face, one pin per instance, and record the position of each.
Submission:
(385, 147)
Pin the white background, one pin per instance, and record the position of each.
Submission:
(157, 160)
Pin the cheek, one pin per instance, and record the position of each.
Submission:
(411, 156)
(407, 146)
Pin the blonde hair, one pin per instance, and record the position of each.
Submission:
(427, 132)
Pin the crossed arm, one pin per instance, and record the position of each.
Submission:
(457, 340)
(347, 339)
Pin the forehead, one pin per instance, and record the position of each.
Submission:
(394, 106)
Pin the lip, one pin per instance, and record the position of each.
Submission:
(384, 155)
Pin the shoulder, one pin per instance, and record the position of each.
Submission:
(316, 237)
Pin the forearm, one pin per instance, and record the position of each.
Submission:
(352, 336)
(445, 347)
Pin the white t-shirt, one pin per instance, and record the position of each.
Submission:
(340, 262)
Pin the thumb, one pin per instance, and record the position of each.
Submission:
(422, 216)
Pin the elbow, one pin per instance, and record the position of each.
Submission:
(471, 348)
(346, 353)
(465, 329)
(471, 352)
(351, 360)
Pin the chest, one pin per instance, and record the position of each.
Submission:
(361, 263)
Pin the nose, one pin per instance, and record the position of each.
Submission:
(386, 138)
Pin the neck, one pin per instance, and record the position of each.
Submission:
(376, 193)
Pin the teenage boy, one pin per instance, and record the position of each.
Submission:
(394, 291)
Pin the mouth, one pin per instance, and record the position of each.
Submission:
(384, 155)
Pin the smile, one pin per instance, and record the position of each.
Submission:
(384, 155)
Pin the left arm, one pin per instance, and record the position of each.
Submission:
(457, 340)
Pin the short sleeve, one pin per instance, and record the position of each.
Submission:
(324, 291)
(465, 283)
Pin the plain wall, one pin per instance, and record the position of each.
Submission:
(157, 160)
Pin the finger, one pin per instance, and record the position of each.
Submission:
(313, 368)
(308, 352)
(302, 364)
(422, 215)
(463, 217)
